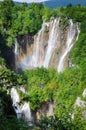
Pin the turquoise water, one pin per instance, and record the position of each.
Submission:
(57, 3)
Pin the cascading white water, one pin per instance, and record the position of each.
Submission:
(78, 30)
(26, 112)
(21, 110)
(35, 57)
(50, 112)
(70, 37)
(16, 51)
(39, 56)
(47, 44)
(53, 36)
(15, 98)
(33, 61)
(16, 47)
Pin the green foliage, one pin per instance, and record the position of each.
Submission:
(29, 17)
(78, 54)
(41, 85)
(12, 123)
(47, 13)
(19, 19)
(77, 13)
(6, 12)
(51, 123)
(71, 86)
(8, 78)
(8, 121)
(78, 119)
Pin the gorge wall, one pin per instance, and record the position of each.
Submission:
(49, 48)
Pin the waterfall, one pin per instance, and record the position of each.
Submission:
(40, 56)
(15, 98)
(16, 52)
(47, 44)
(78, 30)
(26, 112)
(32, 61)
(53, 36)
(70, 37)
(21, 110)
(35, 57)
(16, 47)
(50, 111)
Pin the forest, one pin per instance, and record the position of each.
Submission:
(42, 85)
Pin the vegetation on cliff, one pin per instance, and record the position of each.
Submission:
(42, 84)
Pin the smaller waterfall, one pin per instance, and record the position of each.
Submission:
(15, 98)
(26, 112)
(16, 52)
(50, 112)
(51, 42)
(21, 110)
(78, 30)
(71, 34)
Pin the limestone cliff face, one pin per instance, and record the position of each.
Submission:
(49, 48)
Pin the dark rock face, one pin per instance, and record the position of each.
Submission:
(7, 53)
(10, 57)
(7, 106)
(25, 41)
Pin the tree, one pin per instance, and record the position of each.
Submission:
(6, 7)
